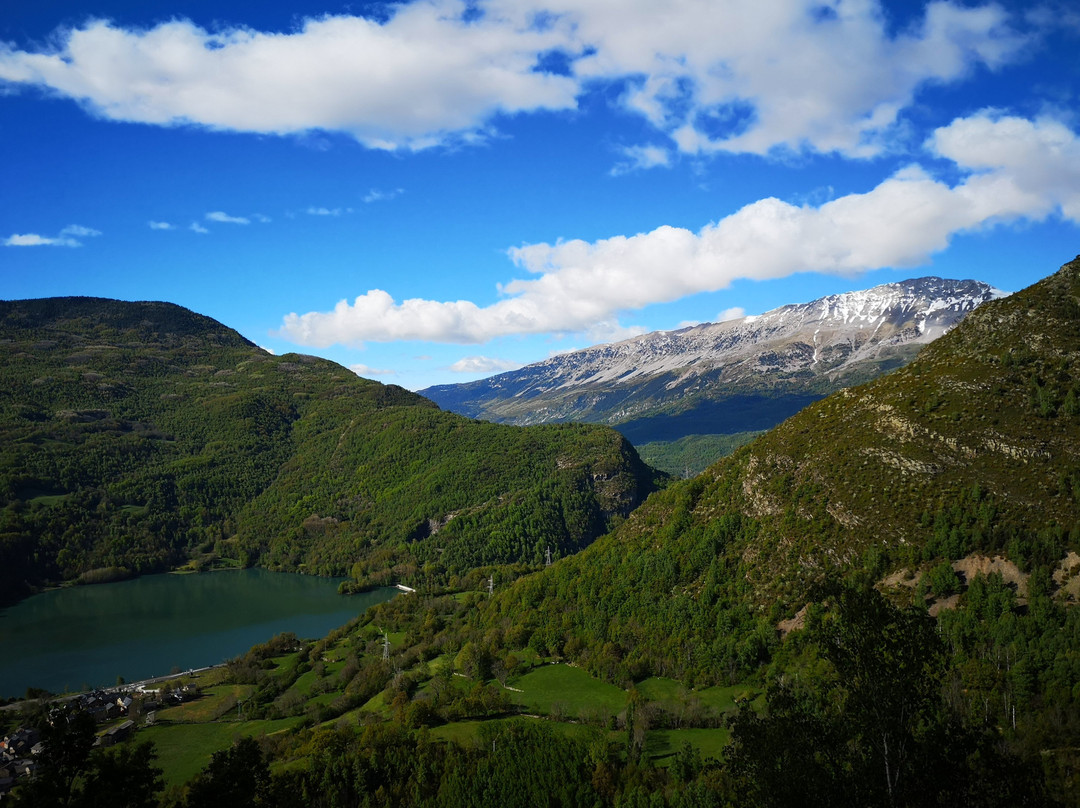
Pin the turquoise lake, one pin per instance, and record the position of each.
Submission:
(89, 635)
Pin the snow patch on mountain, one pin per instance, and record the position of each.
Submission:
(917, 311)
(828, 338)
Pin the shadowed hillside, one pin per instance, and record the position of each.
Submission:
(138, 436)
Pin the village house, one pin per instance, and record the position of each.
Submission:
(120, 732)
(20, 742)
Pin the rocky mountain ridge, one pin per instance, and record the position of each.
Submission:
(802, 350)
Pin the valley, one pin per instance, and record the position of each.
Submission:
(727, 378)
(871, 603)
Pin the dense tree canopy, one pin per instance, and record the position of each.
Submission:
(137, 436)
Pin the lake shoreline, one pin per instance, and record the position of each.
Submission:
(77, 638)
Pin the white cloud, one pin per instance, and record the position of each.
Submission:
(313, 211)
(262, 219)
(198, 228)
(1016, 169)
(268, 350)
(79, 230)
(1023, 167)
(640, 158)
(365, 370)
(160, 225)
(224, 218)
(375, 195)
(29, 240)
(483, 364)
(406, 82)
(753, 77)
(713, 75)
(734, 313)
(68, 237)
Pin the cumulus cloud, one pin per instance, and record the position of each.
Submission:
(641, 157)
(611, 330)
(734, 313)
(195, 227)
(1013, 169)
(68, 237)
(1022, 167)
(224, 218)
(428, 70)
(712, 75)
(160, 225)
(365, 370)
(313, 211)
(735, 76)
(30, 240)
(483, 364)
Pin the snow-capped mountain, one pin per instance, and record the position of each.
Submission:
(795, 353)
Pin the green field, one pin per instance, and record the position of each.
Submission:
(207, 707)
(662, 744)
(184, 749)
(466, 733)
(285, 665)
(657, 688)
(566, 691)
(304, 683)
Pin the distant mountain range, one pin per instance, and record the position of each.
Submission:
(728, 377)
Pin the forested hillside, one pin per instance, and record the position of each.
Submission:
(972, 449)
(138, 436)
(924, 528)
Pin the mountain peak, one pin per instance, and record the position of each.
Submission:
(802, 350)
(148, 319)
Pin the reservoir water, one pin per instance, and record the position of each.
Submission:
(80, 636)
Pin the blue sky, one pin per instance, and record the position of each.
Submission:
(430, 192)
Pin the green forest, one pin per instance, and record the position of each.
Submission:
(868, 704)
(873, 604)
(138, 437)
